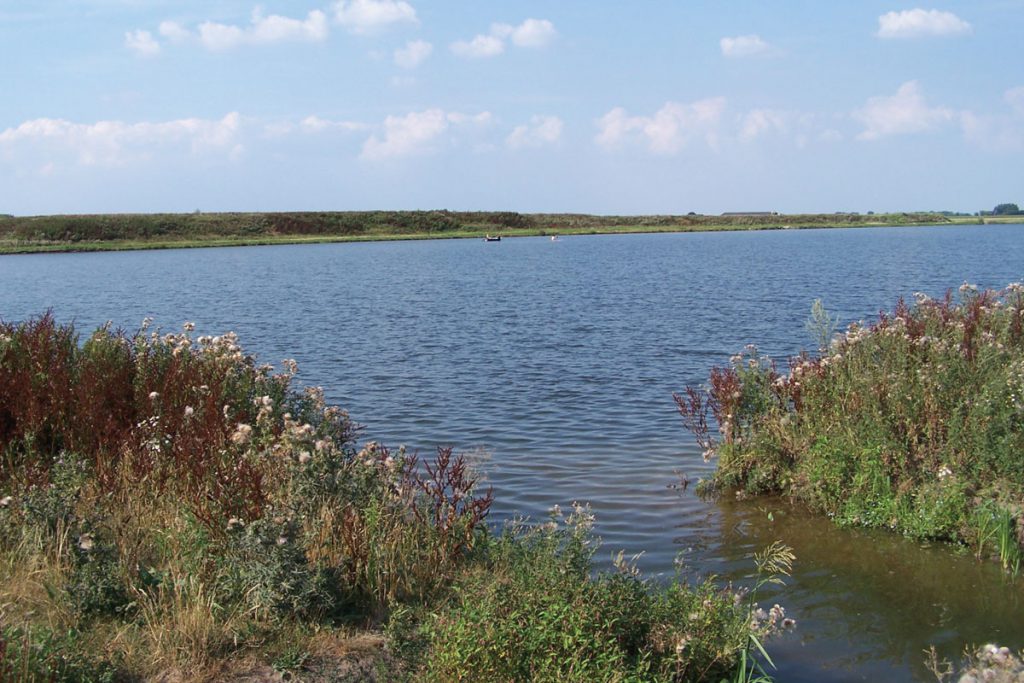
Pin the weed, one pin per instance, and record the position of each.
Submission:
(913, 423)
(167, 504)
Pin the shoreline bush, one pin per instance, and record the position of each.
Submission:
(913, 423)
(170, 508)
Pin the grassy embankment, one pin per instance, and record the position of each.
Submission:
(154, 231)
(914, 423)
(171, 511)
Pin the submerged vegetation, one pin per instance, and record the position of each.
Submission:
(913, 423)
(147, 231)
(170, 510)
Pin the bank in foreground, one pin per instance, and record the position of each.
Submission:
(170, 510)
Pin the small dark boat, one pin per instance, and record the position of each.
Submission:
(488, 238)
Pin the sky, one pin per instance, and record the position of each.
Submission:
(638, 107)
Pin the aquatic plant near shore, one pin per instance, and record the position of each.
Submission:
(914, 422)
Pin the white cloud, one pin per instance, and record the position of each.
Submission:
(914, 23)
(458, 118)
(262, 30)
(668, 131)
(830, 135)
(758, 122)
(903, 113)
(215, 36)
(142, 43)
(173, 31)
(744, 46)
(277, 29)
(366, 16)
(1015, 98)
(997, 131)
(413, 54)
(415, 133)
(480, 46)
(540, 131)
(532, 33)
(315, 124)
(111, 143)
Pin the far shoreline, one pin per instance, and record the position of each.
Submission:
(136, 232)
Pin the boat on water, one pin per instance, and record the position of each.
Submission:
(488, 238)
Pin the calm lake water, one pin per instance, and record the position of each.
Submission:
(555, 363)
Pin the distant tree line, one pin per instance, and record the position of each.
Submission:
(1004, 210)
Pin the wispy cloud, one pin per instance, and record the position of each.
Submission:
(668, 130)
(998, 131)
(263, 29)
(539, 132)
(915, 23)
(416, 133)
(905, 112)
(315, 124)
(758, 122)
(532, 33)
(1015, 98)
(480, 46)
(744, 46)
(367, 16)
(142, 43)
(413, 54)
(113, 143)
(174, 32)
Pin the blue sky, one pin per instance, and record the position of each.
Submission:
(599, 107)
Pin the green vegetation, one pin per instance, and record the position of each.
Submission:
(170, 510)
(914, 423)
(1007, 210)
(149, 231)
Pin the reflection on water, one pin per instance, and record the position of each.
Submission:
(558, 361)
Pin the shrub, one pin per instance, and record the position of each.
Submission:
(167, 504)
(535, 611)
(171, 485)
(914, 422)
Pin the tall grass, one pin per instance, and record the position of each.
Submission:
(169, 508)
(914, 422)
(174, 494)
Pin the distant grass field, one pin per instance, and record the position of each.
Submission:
(103, 232)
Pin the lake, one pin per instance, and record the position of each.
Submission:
(554, 363)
